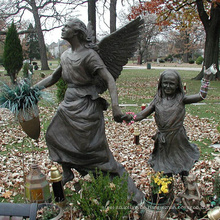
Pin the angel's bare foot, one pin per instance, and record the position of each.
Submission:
(67, 174)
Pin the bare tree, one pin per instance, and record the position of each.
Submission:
(47, 15)
(149, 35)
(92, 14)
(113, 15)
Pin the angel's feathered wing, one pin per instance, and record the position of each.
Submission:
(117, 48)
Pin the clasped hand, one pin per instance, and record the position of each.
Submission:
(118, 116)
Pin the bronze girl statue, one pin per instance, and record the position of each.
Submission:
(173, 153)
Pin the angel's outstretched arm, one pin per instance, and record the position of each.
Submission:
(105, 75)
(51, 79)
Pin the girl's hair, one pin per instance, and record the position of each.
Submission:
(179, 89)
(84, 36)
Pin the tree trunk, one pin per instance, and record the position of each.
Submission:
(212, 29)
(92, 15)
(186, 53)
(211, 54)
(42, 46)
(113, 15)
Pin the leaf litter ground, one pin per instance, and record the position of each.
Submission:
(15, 159)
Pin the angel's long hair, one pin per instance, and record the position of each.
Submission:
(85, 36)
(179, 90)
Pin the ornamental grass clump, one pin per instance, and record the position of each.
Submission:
(102, 197)
(22, 99)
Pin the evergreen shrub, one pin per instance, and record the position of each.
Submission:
(102, 197)
(61, 89)
(199, 60)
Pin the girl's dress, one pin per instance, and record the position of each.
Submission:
(172, 151)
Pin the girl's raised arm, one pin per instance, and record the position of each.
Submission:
(146, 112)
(204, 86)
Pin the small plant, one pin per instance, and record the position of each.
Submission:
(103, 198)
(191, 61)
(216, 187)
(47, 212)
(199, 60)
(20, 97)
(159, 186)
(61, 89)
(25, 69)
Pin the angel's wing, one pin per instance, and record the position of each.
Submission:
(117, 48)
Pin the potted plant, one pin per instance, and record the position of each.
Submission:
(49, 211)
(22, 99)
(159, 185)
(43, 211)
(157, 202)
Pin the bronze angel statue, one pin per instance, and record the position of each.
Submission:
(76, 135)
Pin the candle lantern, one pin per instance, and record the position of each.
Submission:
(136, 136)
(56, 180)
(143, 106)
(36, 186)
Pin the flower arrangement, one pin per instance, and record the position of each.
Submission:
(132, 114)
(160, 183)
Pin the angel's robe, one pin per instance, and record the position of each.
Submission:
(76, 135)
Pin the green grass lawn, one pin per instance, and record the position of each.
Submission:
(139, 86)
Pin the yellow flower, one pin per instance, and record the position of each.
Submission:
(156, 180)
(160, 183)
(164, 189)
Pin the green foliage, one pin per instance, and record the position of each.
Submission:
(25, 69)
(216, 185)
(199, 60)
(100, 198)
(33, 44)
(61, 89)
(169, 58)
(20, 96)
(1, 60)
(12, 57)
(160, 183)
(47, 212)
(191, 61)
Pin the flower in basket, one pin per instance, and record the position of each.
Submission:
(21, 99)
(160, 184)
